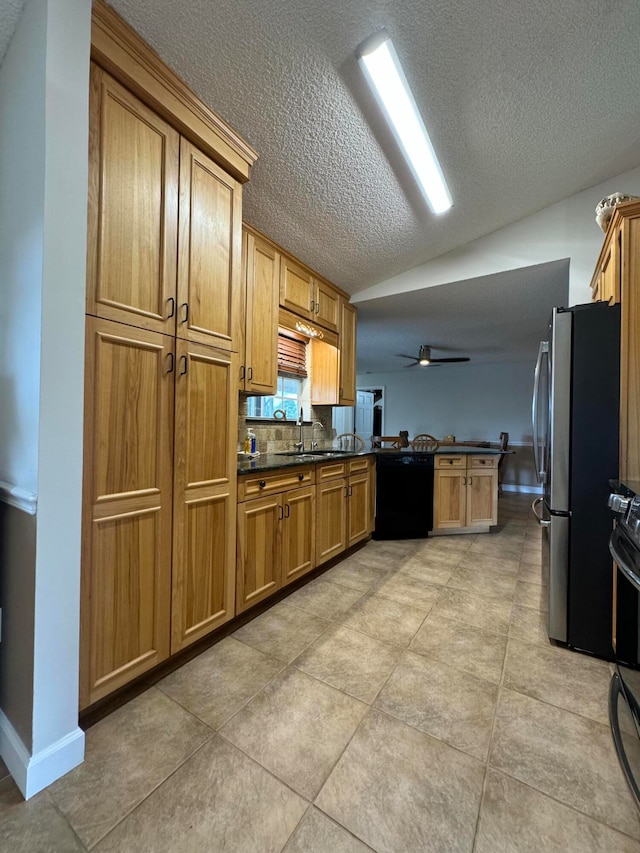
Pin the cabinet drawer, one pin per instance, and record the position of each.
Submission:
(271, 482)
(483, 461)
(356, 465)
(330, 471)
(451, 461)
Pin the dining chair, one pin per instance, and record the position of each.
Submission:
(503, 444)
(350, 441)
(424, 441)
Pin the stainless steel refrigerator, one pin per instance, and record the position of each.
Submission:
(575, 441)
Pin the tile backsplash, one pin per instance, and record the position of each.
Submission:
(274, 436)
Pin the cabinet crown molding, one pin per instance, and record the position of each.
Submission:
(125, 55)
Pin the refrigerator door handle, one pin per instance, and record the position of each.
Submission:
(544, 348)
(541, 521)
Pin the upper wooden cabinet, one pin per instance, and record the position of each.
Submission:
(347, 344)
(308, 296)
(209, 252)
(132, 209)
(261, 265)
(326, 305)
(144, 268)
(617, 278)
(605, 284)
(296, 286)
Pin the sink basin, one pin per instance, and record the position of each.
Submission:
(308, 453)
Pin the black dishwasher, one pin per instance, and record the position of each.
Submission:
(404, 495)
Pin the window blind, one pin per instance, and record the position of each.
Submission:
(292, 358)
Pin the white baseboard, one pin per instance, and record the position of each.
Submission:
(32, 773)
(525, 490)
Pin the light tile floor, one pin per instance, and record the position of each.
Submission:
(406, 700)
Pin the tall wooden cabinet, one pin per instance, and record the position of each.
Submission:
(164, 303)
(617, 279)
(348, 322)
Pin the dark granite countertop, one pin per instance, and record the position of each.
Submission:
(269, 461)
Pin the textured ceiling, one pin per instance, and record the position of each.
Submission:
(494, 318)
(10, 11)
(526, 103)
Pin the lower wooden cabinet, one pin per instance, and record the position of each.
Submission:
(276, 537)
(465, 497)
(344, 506)
(158, 553)
(331, 519)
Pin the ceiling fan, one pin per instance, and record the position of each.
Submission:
(424, 358)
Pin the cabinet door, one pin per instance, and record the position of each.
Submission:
(295, 288)
(347, 344)
(298, 533)
(258, 560)
(204, 543)
(326, 305)
(126, 548)
(482, 498)
(609, 289)
(449, 499)
(359, 509)
(132, 209)
(209, 252)
(331, 519)
(261, 341)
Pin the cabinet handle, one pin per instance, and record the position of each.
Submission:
(242, 371)
(470, 481)
(250, 374)
(313, 306)
(173, 307)
(172, 362)
(262, 484)
(301, 476)
(185, 305)
(464, 481)
(317, 307)
(288, 512)
(185, 365)
(280, 513)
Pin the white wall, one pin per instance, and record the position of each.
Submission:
(564, 230)
(470, 401)
(44, 83)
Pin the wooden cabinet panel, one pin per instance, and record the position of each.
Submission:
(258, 559)
(447, 461)
(331, 519)
(449, 502)
(126, 558)
(209, 257)
(204, 492)
(482, 462)
(482, 498)
(330, 471)
(359, 507)
(326, 305)
(348, 322)
(262, 274)
(298, 533)
(609, 275)
(295, 288)
(132, 210)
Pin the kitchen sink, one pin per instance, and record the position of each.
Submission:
(309, 453)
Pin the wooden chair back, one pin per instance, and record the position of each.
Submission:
(424, 441)
(389, 440)
(350, 441)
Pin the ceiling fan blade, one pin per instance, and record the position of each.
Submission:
(447, 360)
(401, 355)
(415, 364)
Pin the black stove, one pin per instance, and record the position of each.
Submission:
(624, 696)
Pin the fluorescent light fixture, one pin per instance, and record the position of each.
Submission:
(384, 73)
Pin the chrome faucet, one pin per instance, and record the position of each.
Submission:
(314, 444)
(299, 445)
